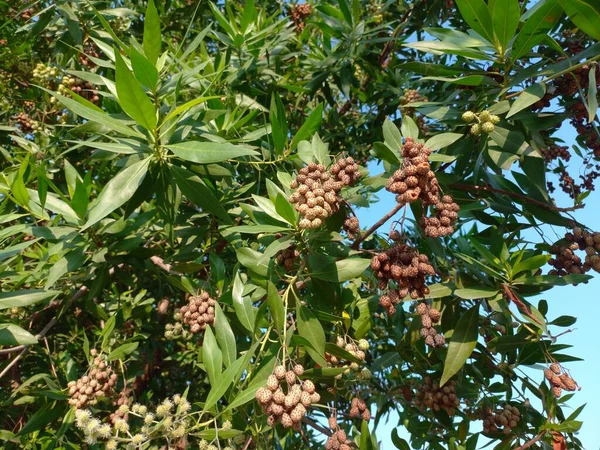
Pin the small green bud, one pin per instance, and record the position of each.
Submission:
(475, 130)
(468, 116)
(487, 127)
(494, 119)
(485, 116)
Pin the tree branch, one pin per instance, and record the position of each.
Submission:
(472, 187)
(530, 442)
(374, 228)
(522, 306)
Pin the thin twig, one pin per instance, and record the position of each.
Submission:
(158, 261)
(530, 442)
(474, 187)
(247, 444)
(14, 361)
(374, 228)
(522, 306)
(316, 426)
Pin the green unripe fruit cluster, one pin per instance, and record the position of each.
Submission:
(485, 122)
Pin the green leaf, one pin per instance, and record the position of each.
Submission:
(257, 382)
(505, 18)
(563, 321)
(132, 97)
(14, 335)
(253, 259)
(117, 191)
(326, 268)
(20, 299)
(442, 140)
(275, 303)
(350, 268)
(242, 305)
(225, 336)
(122, 351)
(42, 417)
(310, 329)
(536, 28)
(211, 356)
(477, 15)
(199, 193)
(309, 127)
(527, 98)
(186, 106)
(259, 229)
(409, 128)
(592, 98)
(585, 14)
(470, 294)
(144, 70)
(224, 381)
(152, 35)
(209, 152)
(268, 207)
(533, 263)
(392, 137)
(285, 209)
(365, 437)
(462, 343)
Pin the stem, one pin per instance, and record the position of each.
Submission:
(522, 306)
(530, 442)
(379, 223)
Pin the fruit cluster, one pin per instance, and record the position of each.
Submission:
(356, 349)
(554, 151)
(566, 261)
(358, 409)
(99, 382)
(352, 227)
(287, 257)
(410, 96)
(429, 317)
(485, 122)
(287, 407)
(44, 75)
(298, 14)
(446, 217)
(79, 87)
(316, 190)
(198, 313)
(407, 268)
(338, 440)
(25, 122)
(433, 396)
(559, 380)
(503, 421)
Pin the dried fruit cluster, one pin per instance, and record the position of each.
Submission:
(433, 396)
(503, 421)
(338, 441)
(485, 122)
(566, 261)
(298, 14)
(288, 406)
(429, 317)
(287, 257)
(554, 151)
(559, 380)
(407, 268)
(99, 382)
(446, 217)
(316, 190)
(198, 313)
(358, 409)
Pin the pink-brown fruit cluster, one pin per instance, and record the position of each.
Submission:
(429, 317)
(355, 349)
(25, 122)
(431, 395)
(559, 380)
(407, 268)
(345, 171)
(287, 257)
(299, 14)
(99, 382)
(566, 261)
(446, 216)
(589, 242)
(286, 397)
(358, 409)
(415, 180)
(352, 227)
(502, 421)
(199, 312)
(338, 441)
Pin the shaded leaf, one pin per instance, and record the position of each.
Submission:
(462, 343)
(14, 335)
(19, 299)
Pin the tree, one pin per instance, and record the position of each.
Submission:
(181, 263)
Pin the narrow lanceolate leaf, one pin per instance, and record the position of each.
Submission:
(118, 190)
(585, 14)
(310, 126)
(310, 329)
(471, 294)
(209, 152)
(536, 28)
(152, 38)
(527, 98)
(143, 69)
(14, 335)
(225, 336)
(276, 307)
(477, 15)
(464, 340)
(132, 97)
(217, 390)
(505, 18)
(211, 356)
(186, 106)
(592, 95)
(242, 305)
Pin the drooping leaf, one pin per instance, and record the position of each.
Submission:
(311, 330)
(242, 305)
(462, 343)
(527, 98)
(276, 307)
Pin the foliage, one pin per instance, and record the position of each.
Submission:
(177, 201)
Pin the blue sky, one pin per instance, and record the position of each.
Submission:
(579, 301)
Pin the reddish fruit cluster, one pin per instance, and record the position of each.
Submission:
(89, 49)
(287, 408)
(415, 180)
(338, 441)
(431, 395)
(299, 14)
(199, 312)
(25, 122)
(99, 382)
(82, 88)
(429, 317)
(352, 227)
(446, 217)
(407, 268)
(316, 190)
(501, 421)
(566, 261)
(411, 96)
(287, 257)
(358, 409)
(559, 380)
(553, 152)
